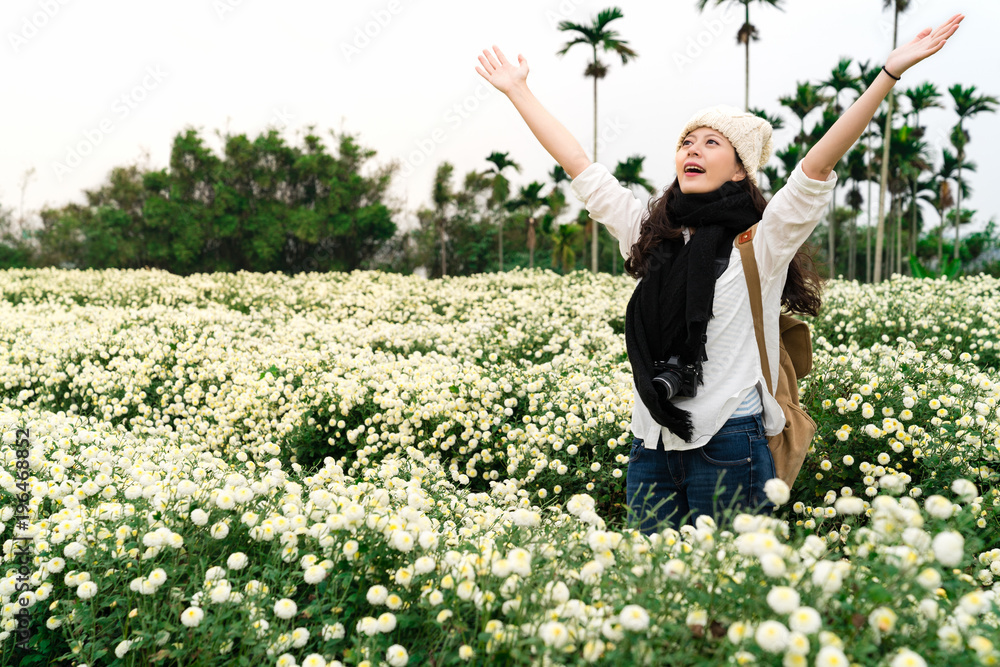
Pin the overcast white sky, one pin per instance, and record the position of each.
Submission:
(117, 78)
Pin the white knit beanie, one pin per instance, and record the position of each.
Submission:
(749, 134)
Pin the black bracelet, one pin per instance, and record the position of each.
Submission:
(889, 73)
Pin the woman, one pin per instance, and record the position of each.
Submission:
(702, 412)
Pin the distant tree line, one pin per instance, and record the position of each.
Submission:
(262, 206)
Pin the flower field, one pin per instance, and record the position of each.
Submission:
(373, 469)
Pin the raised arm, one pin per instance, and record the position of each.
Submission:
(512, 81)
(823, 157)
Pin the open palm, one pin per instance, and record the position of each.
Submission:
(926, 44)
(498, 71)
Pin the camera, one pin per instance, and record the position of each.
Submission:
(677, 379)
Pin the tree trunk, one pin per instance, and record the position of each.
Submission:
(531, 243)
(868, 227)
(444, 261)
(884, 176)
(899, 235)
(941, 240)
(913, 221)
(832, 234)
(958, 196)
(593, 227)
(746, 88)
(852, 247)
(501, 241)
(883, 186)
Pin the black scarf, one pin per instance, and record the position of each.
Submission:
(670, 308)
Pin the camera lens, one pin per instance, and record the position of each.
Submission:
(670, 383)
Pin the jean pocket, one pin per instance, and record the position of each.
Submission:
(728, 450)
(636, 451)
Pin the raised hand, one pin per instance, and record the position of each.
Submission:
(502, 74)
(927, 43)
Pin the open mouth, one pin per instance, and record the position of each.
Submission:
(693, 169)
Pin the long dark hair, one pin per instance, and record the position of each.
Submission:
(803, 287)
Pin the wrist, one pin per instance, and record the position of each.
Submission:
(892, 74)
(519, 91)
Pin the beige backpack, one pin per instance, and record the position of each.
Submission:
(789, 447)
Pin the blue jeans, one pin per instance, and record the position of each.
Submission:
(677, 486)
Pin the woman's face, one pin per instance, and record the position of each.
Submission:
(705, 161)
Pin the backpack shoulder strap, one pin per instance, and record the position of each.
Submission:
(744, 242)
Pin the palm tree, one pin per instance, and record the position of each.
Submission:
(747, 32)
(500, 188)
(857, 172)
(867, 76)
(564, 239)
(442, 195)
(840, 80)
(770, 173)
(909, 159)
(807, 98)
(923, 97)
(943, 199)
(967, 106)
(597, 35)
(898, 6)
(629, 173)
(527, 203)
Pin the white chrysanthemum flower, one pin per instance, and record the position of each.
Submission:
(738, 631)
(86, 590)
(424, 564)
(314, 574)
(882, 619)
(199, 517)
(192, 616)
(377, 594)
(965, 490)
(554, 634)
(520, 561)
(123, 648)
(314, 660)
(465, 652)
(397, 656)
(158, 577)
(907, 658)
(805, 620)
(772, 636)
(300, 637)
(783, 599)
(634, 618)
(285, 608)
(386, 622)
(773, 565)
(939, 507)
(949, 548)
(237, 561)
(849, 505)
(777, 491)
(831, 656)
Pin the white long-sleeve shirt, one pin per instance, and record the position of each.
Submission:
(732, 369)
